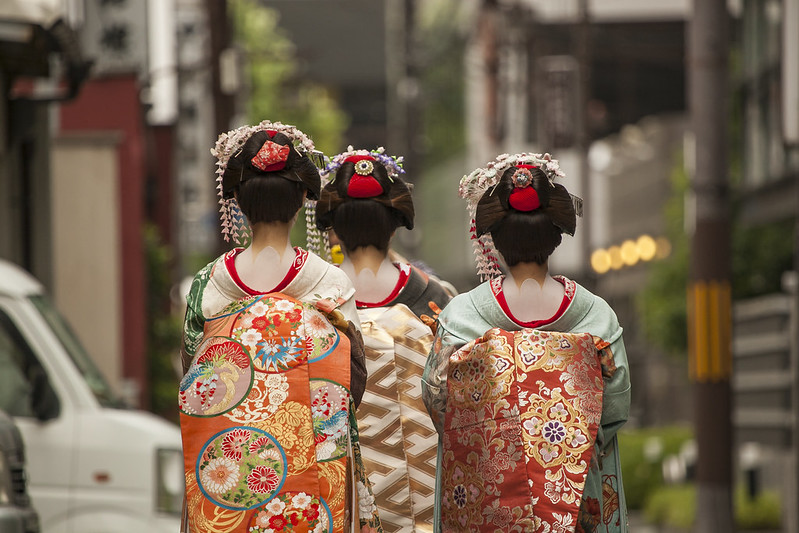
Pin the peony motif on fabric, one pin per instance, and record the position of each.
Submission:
(520, 399)
(322, 336)
(273, 332)
(238, 462)
(241, 468)
(481, 380)
(289, 510)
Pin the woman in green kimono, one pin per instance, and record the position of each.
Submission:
(527, 381)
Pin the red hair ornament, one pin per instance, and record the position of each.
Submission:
(524, 197)
(272, 156)
(362, 184)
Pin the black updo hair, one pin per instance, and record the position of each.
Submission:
(526, 236)
(260, 196)
(362, 222)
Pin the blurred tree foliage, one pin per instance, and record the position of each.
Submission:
(163, 327)
(276, 90)
(442, 37)
(662, 301)
(760, 255)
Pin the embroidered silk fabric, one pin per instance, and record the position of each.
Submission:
(522, 417)
(398, 441)
(264, 415)
(270, 440)
(470, 315)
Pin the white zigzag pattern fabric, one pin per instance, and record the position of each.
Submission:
(398, 441)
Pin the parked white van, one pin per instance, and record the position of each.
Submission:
(93, 465)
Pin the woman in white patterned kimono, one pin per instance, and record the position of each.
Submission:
(365, 201)
(273, 359)
(527, 382)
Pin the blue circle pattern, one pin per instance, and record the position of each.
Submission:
(259, 504)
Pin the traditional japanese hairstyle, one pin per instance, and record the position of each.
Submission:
(364, 199)
(518, 210)
(247, 159)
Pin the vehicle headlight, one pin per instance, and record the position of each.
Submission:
(170, 481)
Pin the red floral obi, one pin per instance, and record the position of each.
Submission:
(523, 410)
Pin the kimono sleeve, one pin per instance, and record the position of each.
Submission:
(357, 354)
(616, 397)
(194, 321)
(434, 378)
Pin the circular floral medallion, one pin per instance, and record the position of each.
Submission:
(271, 329)
(321, 337)
(218, 380)
(364, 167)
(330, 415)
(289, 509)
(241, 468)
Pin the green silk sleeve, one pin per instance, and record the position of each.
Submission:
(194, 321)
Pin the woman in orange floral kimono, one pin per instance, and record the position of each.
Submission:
(273, 360)
(527, 381)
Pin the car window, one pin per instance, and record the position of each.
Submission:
(91, 374)
(19, 366)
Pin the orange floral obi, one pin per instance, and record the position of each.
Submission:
(523, 410)
(265, 418)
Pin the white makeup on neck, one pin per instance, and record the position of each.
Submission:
(372, 287)
(533, 301)
(266, 269)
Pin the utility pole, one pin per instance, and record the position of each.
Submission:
(488, 21)
(584, 133)
(221, 35)
(404, 98)
(709, 298)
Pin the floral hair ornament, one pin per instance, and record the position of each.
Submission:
(271, 157)
(362, 183)
(523, 197)
(475, 184)
(234, 223)
(393, 164)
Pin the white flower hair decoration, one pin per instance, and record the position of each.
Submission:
(234, 224)
(475, 184)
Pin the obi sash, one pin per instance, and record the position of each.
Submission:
(398, 440)
(265, 420)
(523, 410)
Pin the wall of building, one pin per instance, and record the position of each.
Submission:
(112, 105)
(86, 232)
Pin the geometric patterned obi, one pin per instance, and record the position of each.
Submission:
(265, 419)
(523, 410)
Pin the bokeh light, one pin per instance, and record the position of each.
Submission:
(629, 253)
(600, 261)
(616, 261)
(646, 247)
